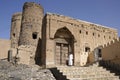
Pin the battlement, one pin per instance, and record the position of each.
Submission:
(32, 4)
(112, 42)
(16, 16)
(78, 22)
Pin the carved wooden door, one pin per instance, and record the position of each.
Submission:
(61, 55)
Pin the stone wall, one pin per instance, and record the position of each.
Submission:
(85, 34)
(4, 48)
(111, 51)
(81, 29)
(26, 54)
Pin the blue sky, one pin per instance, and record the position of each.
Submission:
(103, 12)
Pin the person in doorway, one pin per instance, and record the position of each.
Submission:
(70, 61)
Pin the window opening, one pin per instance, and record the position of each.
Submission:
(86, 32)
(98, 35)
(99, 53)
(93, 34)
(80, 31)
(87, 49)
(13, 34)
(34, 35)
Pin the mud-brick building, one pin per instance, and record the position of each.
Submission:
(48, 39)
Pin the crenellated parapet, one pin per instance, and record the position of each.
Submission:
(83, 25)
(112, 42)
(32, 12)
(83, 31)
(80, 23)
(17, 16)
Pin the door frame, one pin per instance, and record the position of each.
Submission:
(61, 53)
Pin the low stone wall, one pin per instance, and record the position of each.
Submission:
(26, 54)
(4, 48)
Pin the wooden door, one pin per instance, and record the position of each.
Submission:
(61, 54)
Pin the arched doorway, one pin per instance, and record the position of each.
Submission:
(64, 41)
(98, 53)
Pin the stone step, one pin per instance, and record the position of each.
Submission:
(87, 73)
(91, 73)
(108, 78)
(90, 76)
(84, 71)
(72, 67)
(81, 68)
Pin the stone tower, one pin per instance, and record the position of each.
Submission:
(30, 35)
(15, 29)
(31, 24)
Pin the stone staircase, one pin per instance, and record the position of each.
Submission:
(93, 72)
(111, 66)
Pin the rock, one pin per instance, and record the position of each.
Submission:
(9, 71)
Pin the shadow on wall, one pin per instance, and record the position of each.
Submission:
(38, 53)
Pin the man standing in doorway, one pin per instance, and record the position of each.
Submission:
(70, 63)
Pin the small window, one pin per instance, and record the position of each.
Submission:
(80, 31)
(98, 35)
(99, 53)
(87, 49)
(82, 25)
(71, 23)
(86, 32)
(13, 34)
(93, 34)
(34, 35)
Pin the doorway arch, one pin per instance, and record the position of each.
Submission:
(64, 45)
(98, 53)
